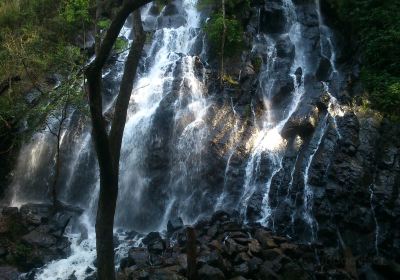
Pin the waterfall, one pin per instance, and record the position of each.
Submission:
(308, 193)
(166, 155)
(221, 199)
(371, 191)
(169, 65)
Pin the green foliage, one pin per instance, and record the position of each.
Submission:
(384, 91)
(76, 11)
(247, 111)
(235, 15)
(376, 24)
(9, 13)
(234, 38)
(237, 7)
(20, 254)
(104, 23)
(233, 7)
(257, 63)
(22, 250)
(37, 39)
(17, 229)
(121, 44)
(230, 80)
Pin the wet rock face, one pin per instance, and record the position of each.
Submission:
(272, 17)
(171, 17)
(301, 123)
(33, 236)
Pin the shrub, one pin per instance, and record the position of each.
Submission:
(234, 34)
(376, 25)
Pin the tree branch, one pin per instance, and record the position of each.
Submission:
(50, 130)
(112, 34)
(122, 103)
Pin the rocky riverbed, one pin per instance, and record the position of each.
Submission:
(227, 249)
(32, 236)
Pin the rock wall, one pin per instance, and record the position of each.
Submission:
(33, 236)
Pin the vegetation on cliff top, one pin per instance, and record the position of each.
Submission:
(224, 28)
(376, 24)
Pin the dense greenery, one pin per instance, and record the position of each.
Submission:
(234, 39)
(36, 44)
(376, 24)
(215, 25)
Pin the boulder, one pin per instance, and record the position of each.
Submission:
(265, 239)
(285, 48)
(324, 69)
(9, 273)
(137, 256)
(241, 269)
(151, 238)
(210, 273)
(301, 123)
(174, 224)
(170, 10)
(40, 237)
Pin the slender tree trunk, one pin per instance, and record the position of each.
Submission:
(108, 146)
(57, 134)
(191, 254)
(57, 173)
(108, 183)
(99, 11)
(222, 71)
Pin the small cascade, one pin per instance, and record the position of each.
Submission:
(269, 144)
(328, 50)
(334, 108)
(308, 193)
(371, 191)
(258, 20)
(39, 156)
(253, 165)
(170, 74)
(221, 199)
(83, 253)
(189, 145)
(298, 143)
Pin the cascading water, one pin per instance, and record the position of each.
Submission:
(170, 64)
(165, 145)
(308, 192)
(371, 190)
(221, 199)
(268, 142)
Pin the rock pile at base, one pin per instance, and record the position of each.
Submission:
(32, 236)
(228, 250)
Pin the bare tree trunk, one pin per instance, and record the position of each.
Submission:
(57, 174)
(57, 134)
(108, 145)
(222, 71)
(191, 254)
